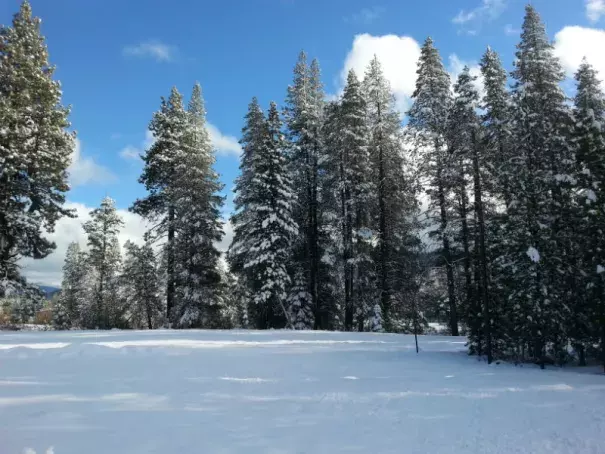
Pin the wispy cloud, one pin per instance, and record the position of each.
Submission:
(594, 10)
(366, 15)
(85, 170)
(133, 153)
(470, 21)
(509, 30)
(156, 50)
(224, 144)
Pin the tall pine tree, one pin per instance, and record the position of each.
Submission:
(104, 309)
(428, 121)
(35, 146)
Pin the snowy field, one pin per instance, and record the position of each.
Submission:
(283, 392)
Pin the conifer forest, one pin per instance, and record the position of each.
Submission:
(482, 206)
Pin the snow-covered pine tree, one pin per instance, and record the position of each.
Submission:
(253, 139)
(35, 146)
(197, 203)
(299, 303)
(348, 193)
(140, 289)
(588, 314)
(428, 124)
(104, 259)
(497, 127)
(541, 176)
(304, 115)
(74, 287)
(497, 123)
(470, 152)
(168, 126)
(263, 241)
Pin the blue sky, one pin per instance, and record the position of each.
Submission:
(116, 58)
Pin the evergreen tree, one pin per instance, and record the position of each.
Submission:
(104, 260)
(263, 242)
(35, 146)
(197, 205)
(470, 150)
(347, 193)
(304, 119)
(74, 288)
(299, 303)
(541, 172)
(428, 122)
(140, 287)
(588, 312)
(159, 176)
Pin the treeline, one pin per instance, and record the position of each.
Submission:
(483, 207)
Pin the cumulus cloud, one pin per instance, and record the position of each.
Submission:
(398, 56)
(573, 43)
(85, 170)
(49, 271)
(224, 144)
(487, 11)
(456, 65)
(594, 10)
(156, 50)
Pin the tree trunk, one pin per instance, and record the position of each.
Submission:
(170, 290)
(483, 284)
(451, 290)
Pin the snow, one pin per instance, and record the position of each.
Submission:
(283, 392)
(533, 254)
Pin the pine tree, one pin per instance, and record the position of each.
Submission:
(299, 303)
(140, 286)
(104, 260)
(197, 205)
(428, 124)
(35, 146)
(263, 241)
(159, 176)
(74, 288)
(470, 150)
(541, 174)
(347, 192)
(589, 113)
(497, 142)
(304, 118)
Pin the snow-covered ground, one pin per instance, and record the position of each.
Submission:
(283, 392)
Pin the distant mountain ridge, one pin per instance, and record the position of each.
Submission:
(49, 291)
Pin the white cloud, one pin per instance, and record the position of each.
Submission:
(574, 43)
(224, 144)
(49, 271)
(131, 152)
(399, 57)
(509, 30)
(84, 170)
(594, 10)
(489, 10)
(366, 15)
(456, 65)
(157, 50)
